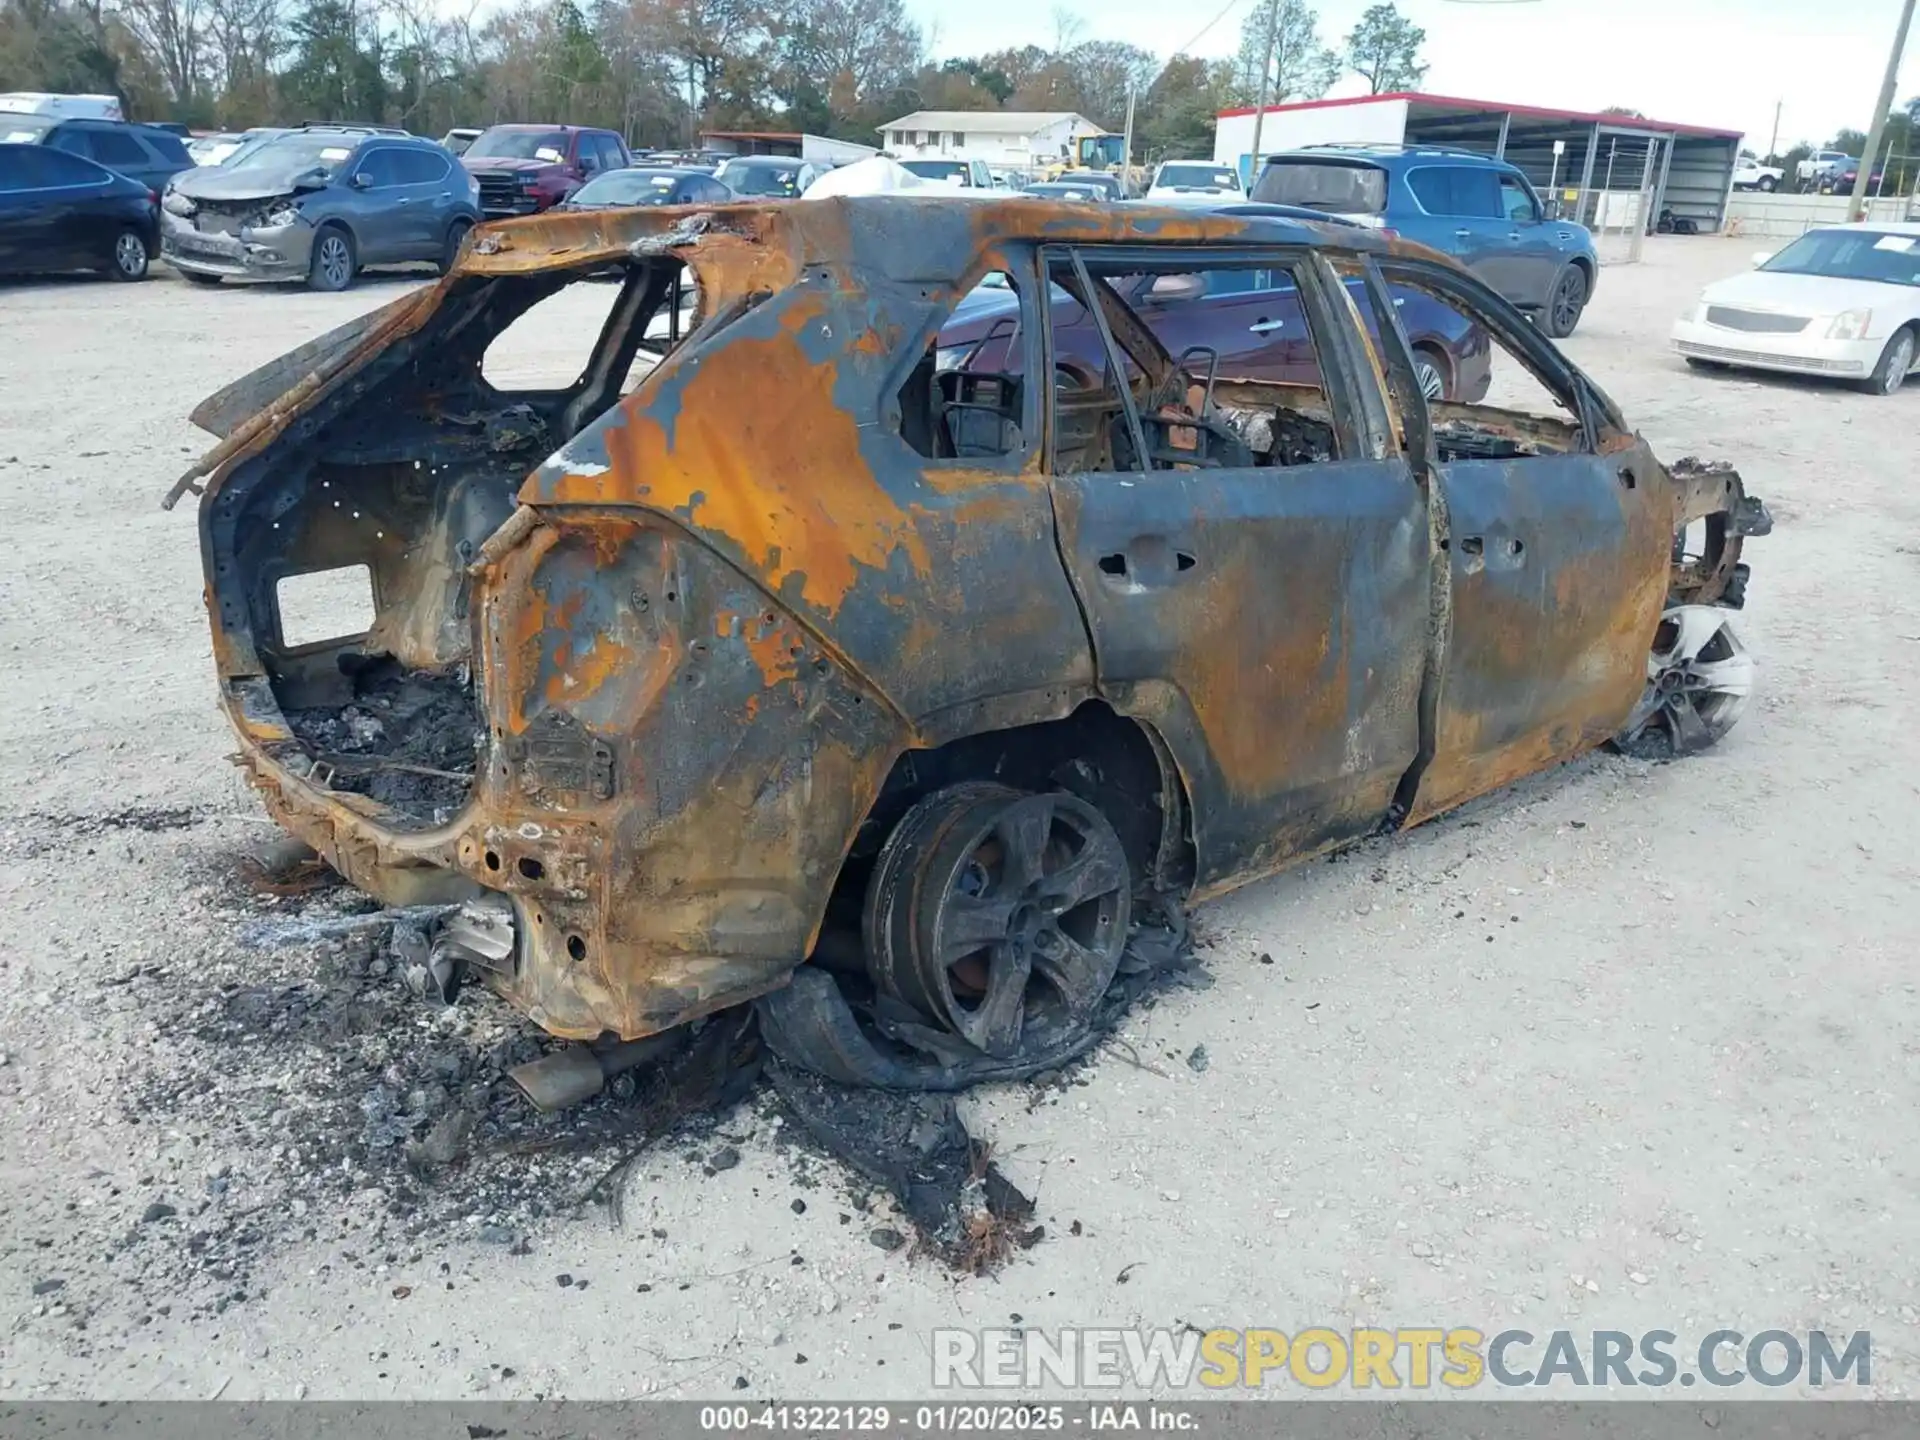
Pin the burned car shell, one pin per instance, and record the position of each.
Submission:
(707, 634)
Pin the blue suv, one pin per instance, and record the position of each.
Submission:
(1477, 209)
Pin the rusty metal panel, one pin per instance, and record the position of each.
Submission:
(1559, 572)
(1272, 626)
(771, 448)
(739, 757)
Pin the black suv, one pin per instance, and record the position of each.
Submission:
(140, 152)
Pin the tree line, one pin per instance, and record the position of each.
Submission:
(660, 71)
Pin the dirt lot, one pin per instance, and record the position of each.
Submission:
(1629, 1047)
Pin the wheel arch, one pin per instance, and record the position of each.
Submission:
(1119, 764)
(336, 222)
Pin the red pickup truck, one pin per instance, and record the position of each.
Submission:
(524, 169)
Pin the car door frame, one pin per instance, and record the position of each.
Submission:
(1537, 258)
(1258, 303)
(70, 227)
(1554, 568)
(1449, 233)
(35, 228)
(431, 202)
(1323, 570)
(380, 215)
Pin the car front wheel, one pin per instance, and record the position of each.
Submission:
(1430, 370)
(1698, 679)
(1565, 304)
(1766, 183)
(333, 263)
(456, 237)
(1895, 361)
(130, 257)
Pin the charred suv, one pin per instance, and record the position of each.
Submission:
(803, 663)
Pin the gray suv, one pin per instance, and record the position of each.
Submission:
(319, 205)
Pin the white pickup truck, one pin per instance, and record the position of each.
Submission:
(1820, 164)
(1750, 174)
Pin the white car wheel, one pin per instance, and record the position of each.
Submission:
(1895, 363)
(1698, 679)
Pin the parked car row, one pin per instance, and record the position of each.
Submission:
(145, 153)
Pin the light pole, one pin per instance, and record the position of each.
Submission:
(1260, 108)
(1857, 207)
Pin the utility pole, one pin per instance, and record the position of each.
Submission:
(1266, 65)
(1773, 145)
(1857, 208)
(1126, 145)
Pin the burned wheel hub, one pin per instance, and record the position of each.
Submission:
(988, 905)
(1698, 679)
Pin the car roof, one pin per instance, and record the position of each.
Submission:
(766, 160)
(1878, 227)
(908, 237)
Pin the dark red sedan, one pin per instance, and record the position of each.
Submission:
(1256, 328)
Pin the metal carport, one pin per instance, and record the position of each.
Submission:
(1689, 167)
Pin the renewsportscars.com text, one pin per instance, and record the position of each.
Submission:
(1414, 1358)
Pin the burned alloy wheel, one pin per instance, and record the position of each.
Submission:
(988, 905)
(1698, 679)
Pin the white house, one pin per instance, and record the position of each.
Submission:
(1019, 138)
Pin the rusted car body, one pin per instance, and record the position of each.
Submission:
(664, 674)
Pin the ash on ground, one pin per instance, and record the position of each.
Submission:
(339, 1104)
(305, 1093)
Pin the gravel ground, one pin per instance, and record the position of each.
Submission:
(1626, 1047)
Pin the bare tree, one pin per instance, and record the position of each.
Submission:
(854, 50)
(244, 39)
(1067, 29)
(1300, 66)
(174, 32)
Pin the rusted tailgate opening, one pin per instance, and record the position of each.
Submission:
(342, 551)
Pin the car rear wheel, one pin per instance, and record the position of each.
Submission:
(456, 237)
(1895, 361)
(990, 907)
(1431, 370)
(130, 258)
(1565, 303)
(1767, 183)
(333, 264)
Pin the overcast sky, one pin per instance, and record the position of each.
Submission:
(1705, 62)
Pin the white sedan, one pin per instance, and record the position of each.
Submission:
(1842, 301)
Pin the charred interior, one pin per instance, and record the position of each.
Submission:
(344, 555)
